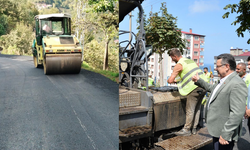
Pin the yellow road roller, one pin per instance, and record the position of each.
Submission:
(54, 47)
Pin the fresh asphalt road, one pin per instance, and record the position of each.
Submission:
(55, 112)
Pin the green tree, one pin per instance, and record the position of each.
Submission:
(102, 5)
(3, 24)
(163, 34)
(243, 18)
(104, 25)
(18, 41)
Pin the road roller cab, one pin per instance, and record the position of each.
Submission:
(54, 47)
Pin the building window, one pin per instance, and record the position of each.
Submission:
(196, 38)
(152, 66)
(152, 59)
(152, 72)
(196, 60)
(196, 45)
(195, 53)
(188, 36)
(202, 38)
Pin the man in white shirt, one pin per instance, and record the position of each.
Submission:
(46, 28)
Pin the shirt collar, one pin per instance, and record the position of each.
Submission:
(224, 79)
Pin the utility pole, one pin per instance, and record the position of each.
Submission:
(80, 15)
(130, 28)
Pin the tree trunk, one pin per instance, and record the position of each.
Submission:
(161, 74)
(106, 54)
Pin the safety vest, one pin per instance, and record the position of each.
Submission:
(150, 82)
(247, 80)
(207, 77)
(189, 69)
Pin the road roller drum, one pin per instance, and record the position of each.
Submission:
(62, 64)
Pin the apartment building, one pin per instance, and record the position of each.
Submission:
(194, 50)
(239, 54)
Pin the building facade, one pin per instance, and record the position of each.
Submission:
(239, 55)
(194, 50)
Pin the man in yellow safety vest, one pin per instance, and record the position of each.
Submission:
(208, 75)
(185, 69)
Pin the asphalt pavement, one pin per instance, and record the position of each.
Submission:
(55, 112)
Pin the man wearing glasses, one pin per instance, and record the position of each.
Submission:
(226, 104)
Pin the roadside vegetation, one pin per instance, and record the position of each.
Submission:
(114, 76)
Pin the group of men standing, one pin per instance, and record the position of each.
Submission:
(226, 104)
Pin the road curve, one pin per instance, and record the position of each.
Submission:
(57, 112)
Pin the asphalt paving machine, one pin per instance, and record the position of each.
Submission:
(55, 48)
(148, 119)
(133, 57)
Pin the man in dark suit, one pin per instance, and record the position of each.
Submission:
(226, 104)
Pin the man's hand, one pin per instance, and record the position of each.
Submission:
(222, 141)
(247, 113)
(196, 77)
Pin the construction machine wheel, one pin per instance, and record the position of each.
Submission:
(62, 63)
(36, 62)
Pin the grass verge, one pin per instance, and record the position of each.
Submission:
(109, 74)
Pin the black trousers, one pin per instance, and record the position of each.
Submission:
(218, 146)
(248, 124)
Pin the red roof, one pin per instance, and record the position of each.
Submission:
(191, 33)
(245, 54)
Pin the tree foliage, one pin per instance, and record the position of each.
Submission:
(12, 12)
(16, 24)
(162, 32)
(103, 27)
(102, 5)
(243, 18)
(3, 24)
(18, 41)
(52, 10)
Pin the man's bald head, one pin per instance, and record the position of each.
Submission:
(241, 69)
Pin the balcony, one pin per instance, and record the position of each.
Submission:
(201, 60)
(202, 53)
